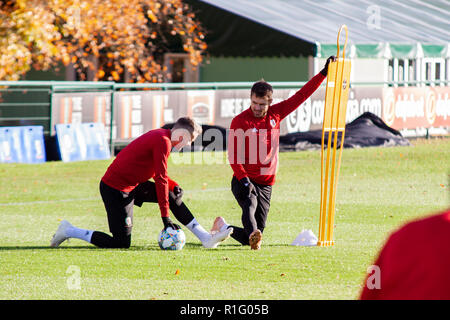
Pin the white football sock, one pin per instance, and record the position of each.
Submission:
(198, 230)
(78, 233)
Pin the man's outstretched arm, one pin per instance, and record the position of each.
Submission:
(284, 108)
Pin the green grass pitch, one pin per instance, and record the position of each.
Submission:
(379, 190)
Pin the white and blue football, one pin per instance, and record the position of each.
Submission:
(170, 239)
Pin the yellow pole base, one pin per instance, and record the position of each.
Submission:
(325, 243)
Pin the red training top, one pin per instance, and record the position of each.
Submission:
(258, 157)
(414, 264)
(144, 158)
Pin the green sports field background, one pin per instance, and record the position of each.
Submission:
(379, 190)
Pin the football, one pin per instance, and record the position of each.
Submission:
(170, 239)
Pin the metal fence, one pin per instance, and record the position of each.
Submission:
(151, 105)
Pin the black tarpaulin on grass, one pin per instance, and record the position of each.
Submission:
(368, 130)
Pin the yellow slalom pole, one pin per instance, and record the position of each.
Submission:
(336, 96)
(329, 212)
(326, 128)
(322, 213)
(333, 182)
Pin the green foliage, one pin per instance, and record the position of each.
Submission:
(106, 36)
(27, 37)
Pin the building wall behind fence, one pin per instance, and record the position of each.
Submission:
(252, 69)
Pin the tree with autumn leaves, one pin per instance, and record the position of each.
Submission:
(109, 36)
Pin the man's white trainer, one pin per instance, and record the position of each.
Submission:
(217, 237)
(60, 234)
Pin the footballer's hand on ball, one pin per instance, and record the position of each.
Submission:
(168, 223)
(247, 187)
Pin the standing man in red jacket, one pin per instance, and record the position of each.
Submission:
(126, 183)
(253, 156)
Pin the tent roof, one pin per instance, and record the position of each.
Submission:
(371, 23)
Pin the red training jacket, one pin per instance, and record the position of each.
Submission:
(414, 264)
(253, 142)
(143, 159)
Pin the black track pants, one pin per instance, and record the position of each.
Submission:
(119, 209)
(255, 209)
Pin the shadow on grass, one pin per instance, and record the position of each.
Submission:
(18, 248)
(135, 248)
(74, 248)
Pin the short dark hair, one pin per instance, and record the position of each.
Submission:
(189, 124)
(261, 88)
